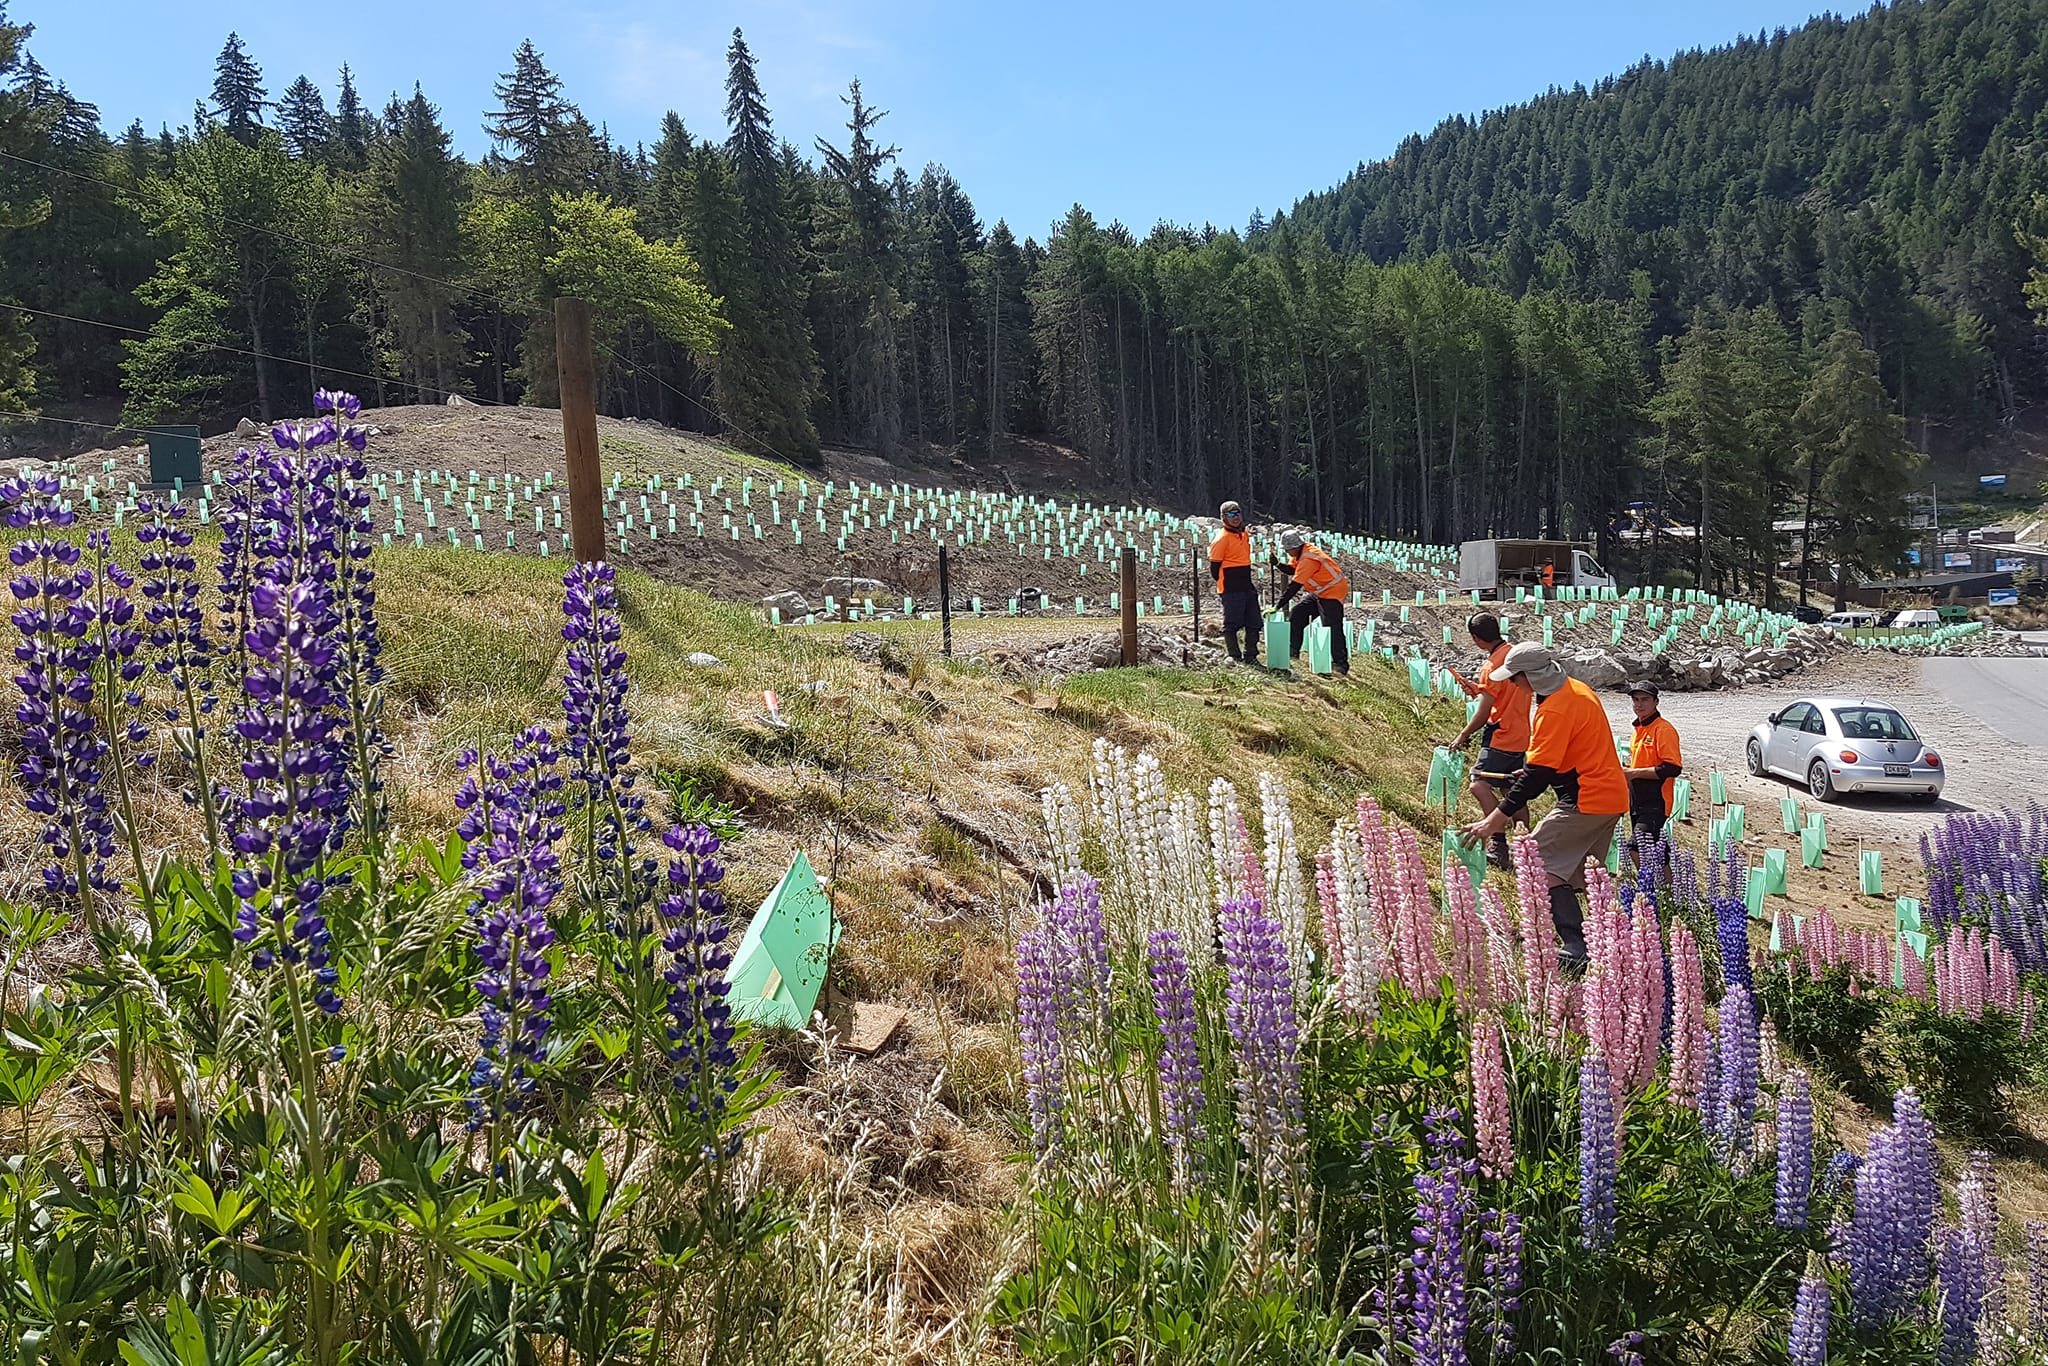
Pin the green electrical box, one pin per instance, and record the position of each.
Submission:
(173, 454)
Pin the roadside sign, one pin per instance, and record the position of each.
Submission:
(2009, 565)
(2005, 597)
(1990, 481)
(1955, 559)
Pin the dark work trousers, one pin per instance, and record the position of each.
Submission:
(1331, 610)
(1241, 613)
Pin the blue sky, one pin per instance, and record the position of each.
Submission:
(1191, 112)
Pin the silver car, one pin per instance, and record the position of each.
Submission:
(1845, 744)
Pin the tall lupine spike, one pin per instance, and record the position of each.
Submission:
(1363, 963)
(1965, 1278)
(599, 741)
(1265, 1036)
(1599, 1153)
(700, 1025)
(1416, 963)
(1471, 966)
(1886, 1241)
(1977, 1213)
(63, 750)
(1500, 940)
(1808, 1338)
(1225, 854)
(1795, 1151)
(1063, 832)
(1500, 1269)
(512, 820)
(1254, 878)
(1328, 920)
(1688, 1018)
(1074, 921)
(1490, 1107)
(2036, 1239)
(1540, 976)
(1285, 897)
(1193, 905)
(176, 619)
(1731, 925)
(1375, 843)
(1436, 1315)
(1180, 1064)
(1737, 1062)
(1042, 1037)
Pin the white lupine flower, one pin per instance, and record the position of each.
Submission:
(1358, 989)
(1063, 832)
(1286, 896)
(1225, 858)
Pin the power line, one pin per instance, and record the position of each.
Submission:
(234, 350)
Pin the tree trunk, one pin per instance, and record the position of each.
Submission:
(254, 314)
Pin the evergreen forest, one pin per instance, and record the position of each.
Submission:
(1789, 266)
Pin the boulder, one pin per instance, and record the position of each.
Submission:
(458, 401)
(705, 661)
(247, 428)
(853, 589)
(1594, 668)
(790, 603)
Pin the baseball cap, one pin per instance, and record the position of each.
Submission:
(1535, 663)
(1230, 510)
(1643, 685)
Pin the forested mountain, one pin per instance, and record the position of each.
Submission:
(1729, 285)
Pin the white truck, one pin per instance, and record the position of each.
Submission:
(1496, 568)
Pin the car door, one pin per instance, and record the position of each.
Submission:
(1788, 739)
(1813, 739)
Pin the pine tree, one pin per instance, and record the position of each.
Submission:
(860, 307)
(1849, 434)
(351, 122)
(18, 135)
(534, 128)
(303, 121)
(239, 98)
(410, 219)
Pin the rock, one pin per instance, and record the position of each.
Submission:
(247, 428)
(705, 661)
(1594, 668)
(864, 646)
(790, 603)
(853, 590)
(458, 401)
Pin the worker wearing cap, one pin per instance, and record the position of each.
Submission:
(1230, 563)
(1501, 720)
(1326, 584)
(1570, 749)
(1654, 763)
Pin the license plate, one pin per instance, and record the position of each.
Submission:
(1898, 770)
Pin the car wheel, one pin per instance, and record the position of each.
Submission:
(1819, 783)
(1926, 798)
(1755, 754)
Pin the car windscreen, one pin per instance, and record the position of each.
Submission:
(1873, 723)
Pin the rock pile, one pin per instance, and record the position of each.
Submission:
(1104, 650)
(1725, 667)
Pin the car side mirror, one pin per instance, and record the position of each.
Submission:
(1774, 717)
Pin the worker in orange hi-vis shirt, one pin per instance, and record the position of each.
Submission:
(1571, 749)
(1230, 563)
(1501, 720)
(1654, 763)
(1327, 585)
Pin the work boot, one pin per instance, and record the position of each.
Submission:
(1497, 853)
(1569, 922)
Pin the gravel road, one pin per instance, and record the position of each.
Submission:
(1988, 718)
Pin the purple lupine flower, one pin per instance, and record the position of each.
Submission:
(1039, 1030)
(512, 818)
(599, 735)
(1265, 1035)
(1074, 921)
(1885, 1243)
(169, 584)
(1987, 869)
(1599, 1155)
(1808, 1339)
(1685, 878)
(1436, 1313)
(701, 1030)
(1731, 929)
(1735, 1107)
(1841, 1170)
(1180, 1065)
(1500, 1269)
(1795, 1151)
(63, 752)
(1624, 1349)
(1964, 1259)
(1977, 1215)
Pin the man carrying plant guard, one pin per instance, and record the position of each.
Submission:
(1230, 561)
(1501, 721)
(1572, 750)
(1654, 763)
(1326, 584)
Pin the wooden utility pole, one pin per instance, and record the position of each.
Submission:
(577, 364)
(946, 601)
(1127, 577)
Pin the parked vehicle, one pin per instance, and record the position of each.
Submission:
(1844, 744)
(1496, 568)
(1852, 621)
(1811, 616)
(1916, 619)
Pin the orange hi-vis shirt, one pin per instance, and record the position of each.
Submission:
(1656, 743)
(1321, 575)
(1572, 739)
(1511, 702)
(1232, 550)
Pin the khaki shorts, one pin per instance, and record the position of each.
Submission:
(1567, 837)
